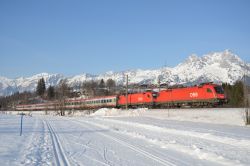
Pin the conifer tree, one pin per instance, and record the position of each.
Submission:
(234, 94)
(40, 89)
(101, 88)
(110, 85)
(51, 92)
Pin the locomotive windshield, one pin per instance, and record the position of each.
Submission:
(219, 89)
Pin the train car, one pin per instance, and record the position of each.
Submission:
(104, 101)
(36, 107)
(145, 99)
(203, 95)
(91, 103)
(73, 103)
(23, 107)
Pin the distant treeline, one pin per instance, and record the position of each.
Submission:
(235, 93)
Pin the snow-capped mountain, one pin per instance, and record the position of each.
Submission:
(217, 67)
(10, 86)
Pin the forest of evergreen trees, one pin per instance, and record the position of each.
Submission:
(234, 93)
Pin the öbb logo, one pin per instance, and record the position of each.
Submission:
(193, 94)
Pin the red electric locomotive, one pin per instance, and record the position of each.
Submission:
(145, 99)
(208, 94)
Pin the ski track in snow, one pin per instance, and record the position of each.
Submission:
(60, 157)
(136, 148)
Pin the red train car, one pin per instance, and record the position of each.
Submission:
(145, 99)
(203, 95)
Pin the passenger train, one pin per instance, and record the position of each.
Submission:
(204, 95)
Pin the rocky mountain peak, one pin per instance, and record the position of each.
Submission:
(222, 66)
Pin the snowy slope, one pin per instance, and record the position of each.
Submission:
(140, 138)
(217, 67)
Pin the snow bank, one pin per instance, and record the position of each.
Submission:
(119, 112)
(230, 116)
(107, 112)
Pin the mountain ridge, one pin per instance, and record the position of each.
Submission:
(219, 67)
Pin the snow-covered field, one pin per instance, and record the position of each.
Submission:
(135, 137)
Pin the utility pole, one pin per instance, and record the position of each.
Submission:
(246, 104)
(159, 83)
(126, 92)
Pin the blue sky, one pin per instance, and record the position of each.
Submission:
(95, 36)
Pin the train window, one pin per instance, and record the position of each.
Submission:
(219, 89)
(209, 90)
